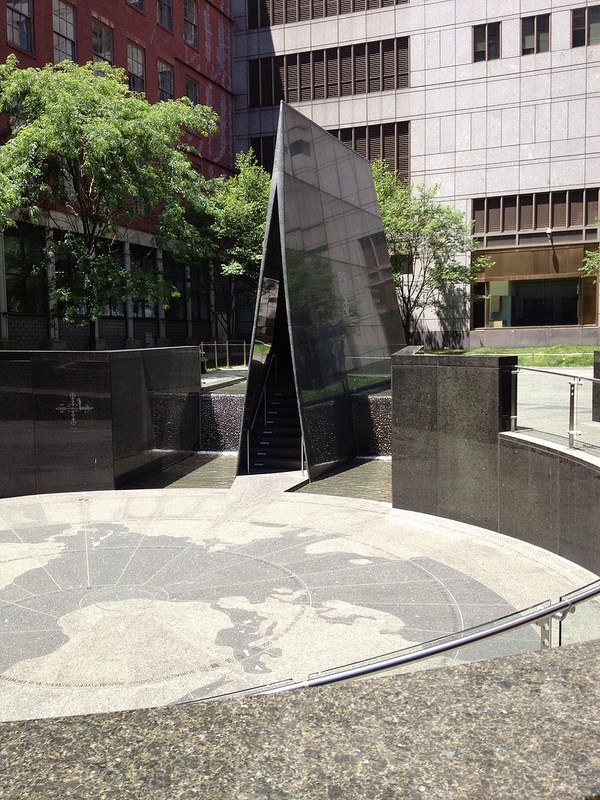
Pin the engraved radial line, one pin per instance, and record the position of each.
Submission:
(52, 579)
(204, 572)
(170, 561)
(139, 544)
(33, 610)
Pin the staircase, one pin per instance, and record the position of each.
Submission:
(274, 445)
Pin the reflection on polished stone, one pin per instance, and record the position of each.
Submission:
(327, 316)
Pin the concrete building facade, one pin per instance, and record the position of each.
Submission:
(498, 103)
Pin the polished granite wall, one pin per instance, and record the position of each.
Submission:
(550, 496)
(447, 412)
(221, 422)
(75, 420)
(453, 456)
(525, 726)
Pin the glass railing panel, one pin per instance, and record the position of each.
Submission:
(521, 640)
(582, 622)
(543, 406)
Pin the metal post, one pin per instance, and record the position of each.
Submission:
(227, 353)
(513, 399)
(216, 356)
(573, 432)
(129, 329)
(245, 358)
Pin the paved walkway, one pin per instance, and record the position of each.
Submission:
(118, 600)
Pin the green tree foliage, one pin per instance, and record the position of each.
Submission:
(86, 155)
(590, 267)
(426, 240)
(238, 207)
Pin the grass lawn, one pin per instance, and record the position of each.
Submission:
(556, 356)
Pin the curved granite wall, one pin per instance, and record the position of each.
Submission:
(452, 456)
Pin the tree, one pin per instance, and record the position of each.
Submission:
(590, 267)
(238, 206)
(84, 154)
(425, 240)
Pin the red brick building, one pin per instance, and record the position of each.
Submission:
(170, 49)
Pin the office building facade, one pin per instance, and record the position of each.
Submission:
(497, 103)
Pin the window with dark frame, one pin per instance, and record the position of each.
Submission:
(266, 13)
(335, 72)
(530, 213)
(63, 27)
(585, 26)
(164, 12)
(139, 4)
(19, 24)
(192, 90)
(102, 42)
(390, 141)
(166, 81)
(190, 22)
(535, 34)
(136, 67)
(486, 41)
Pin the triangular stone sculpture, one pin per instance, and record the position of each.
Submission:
(327, 318)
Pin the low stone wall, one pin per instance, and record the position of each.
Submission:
(221, 423)
(76, 420)
(453, 456)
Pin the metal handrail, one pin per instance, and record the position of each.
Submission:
(555, 372)
(554, 611)
(574, 382)
(272, 359)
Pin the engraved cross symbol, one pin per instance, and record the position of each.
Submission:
(75, 406)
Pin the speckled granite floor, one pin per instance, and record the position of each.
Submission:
(524, 727)
(120, 600)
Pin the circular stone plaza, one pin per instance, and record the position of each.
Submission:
(155, 596)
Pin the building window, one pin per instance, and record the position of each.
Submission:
(486, 41)
(63, 22)
(19, 23)
(136, 67)
(389, 142)
(530, 215)
(266, 13)
(192, 90)
(24, 249)
(335, 72)
(139, 4)
(102, 42)
(190, 22)
(535, 34)
(585, 26)
(164, 11)
(166, 81)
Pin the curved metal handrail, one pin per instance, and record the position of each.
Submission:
(556, 610)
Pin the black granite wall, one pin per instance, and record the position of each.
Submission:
(446, 415)
(452, 456)
(220, 422)
(551, 498)
(73, 421)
